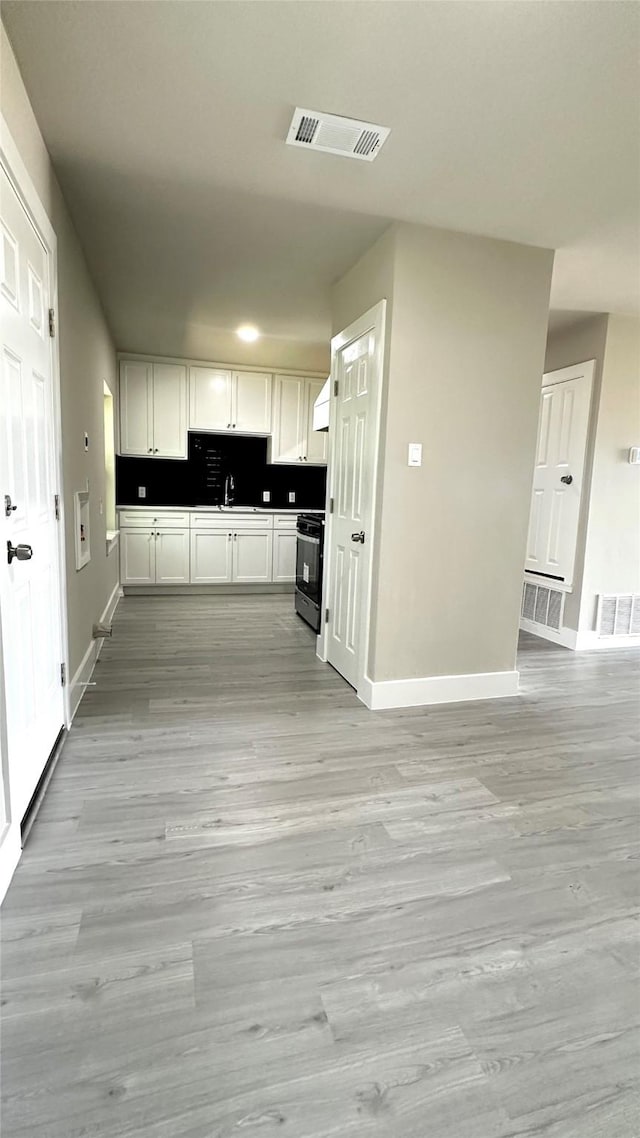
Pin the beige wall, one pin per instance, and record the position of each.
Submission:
(465, 341)
(87, 359)
(612, 552)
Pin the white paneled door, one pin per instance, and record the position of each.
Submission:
(30, 559)
(354, 427)
(559, 470)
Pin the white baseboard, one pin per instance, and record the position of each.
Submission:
(437, 689)
(591, 641)
(579, 641)
(83, 674)
(566, 637)
(10, 850)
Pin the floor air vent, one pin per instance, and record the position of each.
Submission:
(334, 134)
(542, 605)
(618, 615)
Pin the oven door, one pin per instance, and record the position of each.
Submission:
(309, 566)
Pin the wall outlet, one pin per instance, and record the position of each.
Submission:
(142, 491)
(86, 441)
(266, 495)
(292, 496)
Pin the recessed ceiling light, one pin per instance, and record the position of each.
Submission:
(248, 333)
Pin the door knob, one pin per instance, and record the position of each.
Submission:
(358, 537)
(567, 479)
(20, 552)
(8, 506)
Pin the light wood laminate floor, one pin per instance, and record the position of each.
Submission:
(251, 907)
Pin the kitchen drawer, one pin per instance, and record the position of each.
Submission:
(148, 519)
(231, 522)
(285, 521)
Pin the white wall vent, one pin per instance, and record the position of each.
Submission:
(542, 605)
(618, 614)
(334, 134)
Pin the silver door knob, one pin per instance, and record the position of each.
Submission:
(20, 552)
(567, 479)
(9, 508)
(358, 537)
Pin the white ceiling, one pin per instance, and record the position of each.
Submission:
(166, 123)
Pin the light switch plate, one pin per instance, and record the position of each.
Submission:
(266, 495)
(292, 496)
(415, 454)
(142, 491)
(634, 455)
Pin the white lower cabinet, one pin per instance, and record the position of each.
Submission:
(252, 554)
(210, 557)
(154, 557)
(284, 556)
(172, 556)
(137, 557)
(172, 547)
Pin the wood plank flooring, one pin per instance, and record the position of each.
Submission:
(250, 906)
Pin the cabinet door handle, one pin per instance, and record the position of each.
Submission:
(228, 426)
(150, 451)
(155, 450)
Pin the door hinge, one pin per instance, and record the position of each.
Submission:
(326, 616)
(52, 321)
(335, 387)
(330, 505)
(63, 675)
(56, 503)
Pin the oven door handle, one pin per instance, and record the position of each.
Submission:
(311, 540)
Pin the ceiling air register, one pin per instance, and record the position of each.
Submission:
(334, 134)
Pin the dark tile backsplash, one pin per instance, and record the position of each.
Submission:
(200, 480)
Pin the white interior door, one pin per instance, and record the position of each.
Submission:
(354, 425)
(170, 410)
(559, 472)
(29, 589)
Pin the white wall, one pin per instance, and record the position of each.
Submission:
(466, 341)
(87, 361)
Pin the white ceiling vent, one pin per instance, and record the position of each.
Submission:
(336, 135)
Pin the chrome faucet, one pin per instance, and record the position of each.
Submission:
(229, 490)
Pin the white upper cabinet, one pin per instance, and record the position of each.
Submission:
(294, 439)
(169, 411)
(252, 402)
(210, 399)
(153, 409)
(230, 401)
(136, 408)
(288, 419)
(316, 448)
